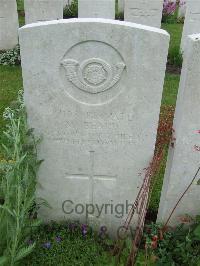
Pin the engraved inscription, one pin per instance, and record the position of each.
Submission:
(136, 12)
(97, 139)
(93, 75)
(97, 129)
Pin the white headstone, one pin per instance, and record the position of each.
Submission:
(121, 6)
(182, 9)
(147, 12)
(96, 9)
(43, 10)
(183, 158)
(67, 3)
(192, 21)
(8, 24)
(90, 97)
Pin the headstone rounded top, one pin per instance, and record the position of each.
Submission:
(95, 20)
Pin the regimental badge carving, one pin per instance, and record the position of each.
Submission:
(93, 75)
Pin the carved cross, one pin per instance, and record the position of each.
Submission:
(91, 176)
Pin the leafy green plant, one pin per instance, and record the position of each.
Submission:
(174, 246)
(10, 57)
(17, 186)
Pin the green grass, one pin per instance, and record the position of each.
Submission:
(10, 83)
(65, 244)
(20, 8)
(156, 192)
(170, 89)
(20, 5)
(21, 21)
(175, 31)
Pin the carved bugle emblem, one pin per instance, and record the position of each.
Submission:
(93, 75)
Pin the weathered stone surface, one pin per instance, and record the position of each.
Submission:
(96, 9)
(95, 98)
(8, 24)
(43, 10)
(192, 21)
(144, 12)
(183, 158)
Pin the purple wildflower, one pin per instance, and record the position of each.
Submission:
(58, 239)
(30, 242)
(84, 229)
(47, 245)
(72, 226)
(169, 7)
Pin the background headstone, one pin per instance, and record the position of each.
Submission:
(8, 24)
(96, 9)
(182, 9)
(192, 21)
(42, 10)
(183, 158)
(147, 12)
(67, 2)
(90, 97)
